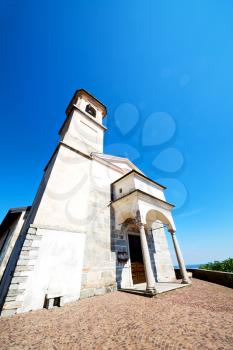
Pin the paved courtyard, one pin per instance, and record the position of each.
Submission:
(197, 317)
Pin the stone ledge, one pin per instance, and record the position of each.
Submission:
(91, 292)
(26, 262)
(27, 242)
(30, 248)
(33, 237)
(15, 292)
(21, 268)
(137, 292)
(32, 230)
(18, 279)
(12, 305)
(218, 277)
(13, 298)
(8, 313)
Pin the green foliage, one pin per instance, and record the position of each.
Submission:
(225, 265)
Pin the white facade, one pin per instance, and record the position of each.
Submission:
(75, 240)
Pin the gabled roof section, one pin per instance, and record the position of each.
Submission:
(10, 217)
(143, 177)
(117, 161)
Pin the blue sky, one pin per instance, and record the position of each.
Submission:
(164, 70)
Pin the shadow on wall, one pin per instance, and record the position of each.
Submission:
(119, 247)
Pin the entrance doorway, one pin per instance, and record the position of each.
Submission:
(137, 267)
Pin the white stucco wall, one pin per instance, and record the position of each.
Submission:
(123, 187)
(77, 198)
(58, 269)
(82, 102)
(133, 182)
(148, 187)
(102, 176)
(122, 165)
(83, 134)
(65, 201)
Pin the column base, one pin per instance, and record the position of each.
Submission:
(151, 290)
(186, 281)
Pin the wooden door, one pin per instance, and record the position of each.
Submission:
(137, 267)
(138, 273)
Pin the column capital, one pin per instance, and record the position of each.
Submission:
(172, 232)
(138, 220)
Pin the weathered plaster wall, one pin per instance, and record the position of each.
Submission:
(99, 260)
(77, 198)
(57, 269)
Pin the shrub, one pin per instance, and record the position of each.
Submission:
(225, 265)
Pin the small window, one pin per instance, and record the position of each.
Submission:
(57, 301)
(91, 110)
(120, 190)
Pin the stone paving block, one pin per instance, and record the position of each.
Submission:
(100, 291)
(87, 293)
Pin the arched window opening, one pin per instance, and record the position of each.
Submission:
(91, 110)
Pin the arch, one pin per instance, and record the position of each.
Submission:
(156, 215)
(91, 110)
(130, 225)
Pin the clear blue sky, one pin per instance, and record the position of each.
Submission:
(156, 64)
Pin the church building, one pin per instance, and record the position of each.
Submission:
(97, 224)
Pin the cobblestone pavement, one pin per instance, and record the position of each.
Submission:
(197, 317)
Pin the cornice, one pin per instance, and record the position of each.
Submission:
(161, 187)
(142, 194)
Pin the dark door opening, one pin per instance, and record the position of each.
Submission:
(137, 267)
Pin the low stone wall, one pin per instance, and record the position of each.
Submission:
(223, 278)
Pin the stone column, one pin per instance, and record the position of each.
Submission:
(150, 280)
(180, 259)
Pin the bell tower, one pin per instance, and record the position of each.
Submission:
(83, 128)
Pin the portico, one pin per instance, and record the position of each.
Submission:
(141, 201)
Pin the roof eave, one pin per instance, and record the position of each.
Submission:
(80, 92)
